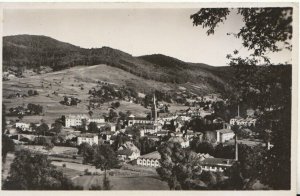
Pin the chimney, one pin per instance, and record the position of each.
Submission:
(236, 148)
(238, 110)
(268, 145)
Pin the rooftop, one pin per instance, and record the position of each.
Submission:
(73, 116)
(218, 161)
(224, 131)
(127, 152)
(151, 155)
(87, 135)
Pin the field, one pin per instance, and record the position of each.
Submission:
(55, 150)
(124, 182)
(77, 81)
(69, 82)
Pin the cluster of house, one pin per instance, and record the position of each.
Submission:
(195, 112)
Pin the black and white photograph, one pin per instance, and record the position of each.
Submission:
(149, 97)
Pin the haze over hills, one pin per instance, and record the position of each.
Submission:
(33, 52)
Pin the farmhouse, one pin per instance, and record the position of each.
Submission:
(128, 151)
(22, 126)
(128, 154)
(149, 160)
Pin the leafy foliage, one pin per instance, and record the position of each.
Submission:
(263, 28)
(87, 151)
(35, 172)
(266, 87)
(105, 157)
(179, 167)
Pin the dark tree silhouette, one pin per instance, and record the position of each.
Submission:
(35, 172)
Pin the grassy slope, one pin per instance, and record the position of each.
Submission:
(66, 82)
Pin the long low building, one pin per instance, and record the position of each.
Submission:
(149, 160)
(216, 164)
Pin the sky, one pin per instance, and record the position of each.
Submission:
(135, 31)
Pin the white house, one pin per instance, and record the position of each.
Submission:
(224, 135)
(96, 120)
(128, 154)
(78, 119)
(87, 138)
(128, 151)
(75, 120)
(22, 126)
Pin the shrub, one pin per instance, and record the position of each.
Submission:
(87, 172)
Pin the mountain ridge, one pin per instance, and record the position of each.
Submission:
(34, 51)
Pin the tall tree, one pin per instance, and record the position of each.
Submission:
(42, 129)
(87, 151)
(267, 87)
(92, 127)
(105, 158)
(179, 167)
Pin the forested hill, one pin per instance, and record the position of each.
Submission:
(33, 51)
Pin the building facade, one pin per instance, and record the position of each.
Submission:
(149, 160)
(224, 135)
(79, 119)
(87, 138)
(216, 164)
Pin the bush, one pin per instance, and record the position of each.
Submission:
(87, 172)
(64, 165)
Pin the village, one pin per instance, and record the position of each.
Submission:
(136, 139)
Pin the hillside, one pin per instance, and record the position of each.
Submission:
(32, 52)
